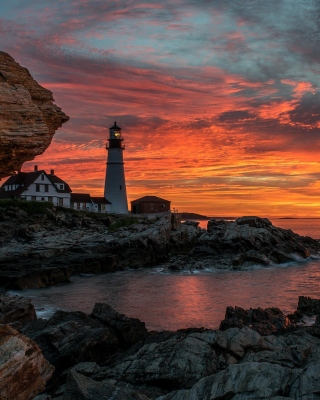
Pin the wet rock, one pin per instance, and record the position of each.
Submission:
(23, 369)
(182, 263)
(128, 330)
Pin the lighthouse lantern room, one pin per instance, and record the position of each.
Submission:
(115, 184)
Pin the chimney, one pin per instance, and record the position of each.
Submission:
(35, 168)
(52, 171)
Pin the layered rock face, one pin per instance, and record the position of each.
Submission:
(23, 369)
(28, 116)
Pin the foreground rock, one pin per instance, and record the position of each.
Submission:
(23, 369)
(68, 338)
(128, 331)
(251, 241)
(81, 387)
(109, 355)
(29, 117)
(241, 382)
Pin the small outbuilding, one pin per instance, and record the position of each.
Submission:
(150, 205)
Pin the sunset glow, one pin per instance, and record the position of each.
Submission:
(219, 102)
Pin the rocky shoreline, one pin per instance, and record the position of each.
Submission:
(255, 354)
(44, 249)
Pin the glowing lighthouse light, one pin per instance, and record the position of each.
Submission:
(115, 184)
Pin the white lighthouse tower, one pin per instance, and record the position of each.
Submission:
(115, 184)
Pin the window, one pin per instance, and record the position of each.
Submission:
(78, 205)
(120, 187)
(84, 205)
(60, 201)
(103, 207)
(61, 187)
(50, 199)
(42, 177)
(37, 187)
(33, 198)
(46, 188)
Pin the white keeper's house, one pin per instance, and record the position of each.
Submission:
(41, 186)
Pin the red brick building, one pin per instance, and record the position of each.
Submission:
(149, 205)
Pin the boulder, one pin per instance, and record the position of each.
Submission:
(80, 387)
(265, 321)
(166, 360)
(29, 117)
(307, 385)
(16, 309)
(128, 330)
(308, 306)
(295, 350)
(238, 341)
(241, 382)
(69, 338)
(23, 369)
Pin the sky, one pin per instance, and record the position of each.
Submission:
(218, 100)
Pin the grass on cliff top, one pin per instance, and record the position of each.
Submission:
(121, 222)
(30, 207)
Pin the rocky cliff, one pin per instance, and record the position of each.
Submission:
(28, 116)
(47, 247)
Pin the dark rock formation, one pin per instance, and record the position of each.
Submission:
(68, 338)
(81, 387)
(250, 241)
(265, 321)
(23, 369)
(95, 359)
(127, 330)
(28, 116)
(17, 310)
(42, 250)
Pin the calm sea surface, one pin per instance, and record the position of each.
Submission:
(180, 300)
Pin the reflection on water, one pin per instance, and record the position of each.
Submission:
(175, 301)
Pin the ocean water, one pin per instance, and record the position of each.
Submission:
(173, 301)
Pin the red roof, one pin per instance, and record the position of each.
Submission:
(150, 199)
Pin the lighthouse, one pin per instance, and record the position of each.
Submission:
(115, 184)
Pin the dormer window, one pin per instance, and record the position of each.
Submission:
(61, 186)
